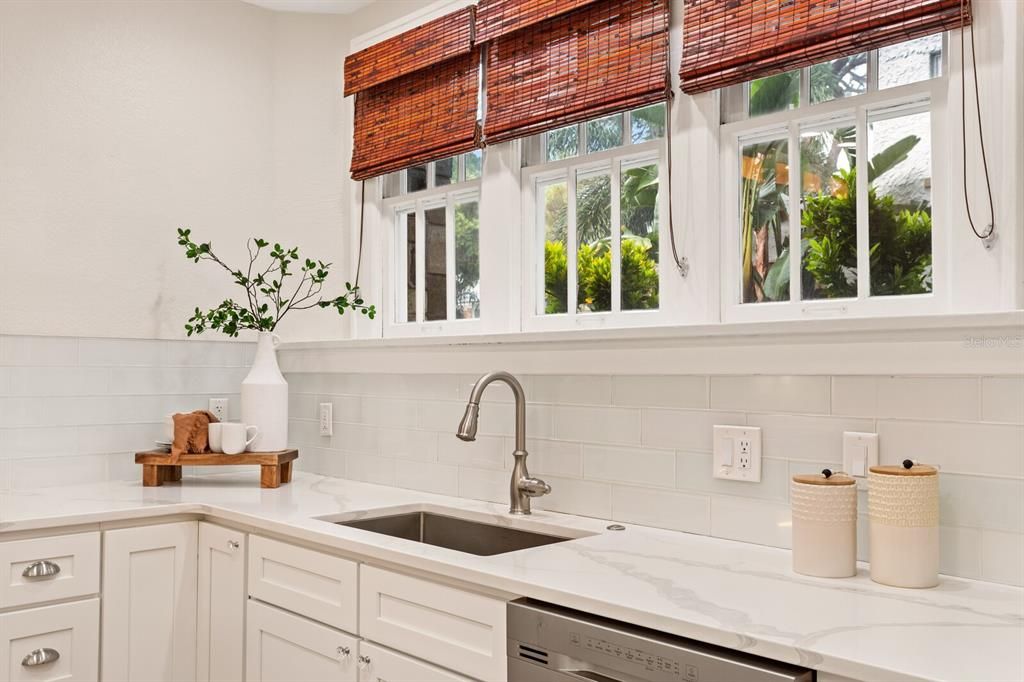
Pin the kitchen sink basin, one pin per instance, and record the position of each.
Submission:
(460, 534)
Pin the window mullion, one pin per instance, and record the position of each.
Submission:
(616, 235)
(421, 262)
(863, 247)
(872, 70)
(449, 244)
(805, 88)
(795, 207)
(571, 246)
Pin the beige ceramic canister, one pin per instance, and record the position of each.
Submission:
(824, 524)
(903, 510)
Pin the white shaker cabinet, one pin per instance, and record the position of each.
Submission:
(377, 664)
(149, 603)
(220, 631)
(283, 647)
(50, 643)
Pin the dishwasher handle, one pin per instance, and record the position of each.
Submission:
(589, 675)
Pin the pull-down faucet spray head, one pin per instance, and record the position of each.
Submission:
(467, 427)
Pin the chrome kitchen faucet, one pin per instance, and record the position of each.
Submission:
(523, 486)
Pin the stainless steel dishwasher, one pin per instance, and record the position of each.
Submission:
(552, 644)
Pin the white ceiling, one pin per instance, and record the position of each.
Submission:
(312, 6)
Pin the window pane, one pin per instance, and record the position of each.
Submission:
(900, 201)
(436, 261)
(829, 213)
(467, 260)
(562, 143)
(774, 93)
(445, 172)
(910, 62)
(553, 210)
(604, 133)
(593, 242)
(764, 221)
(474, 161)
(407, 221)
(639, 238)
(839, 78)
(415, 178)
(647, 123)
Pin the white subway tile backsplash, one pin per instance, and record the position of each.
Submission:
(357, 438)
(694, 472)
(370, 468)
(489, 485)
(629, 465)
(662, 508)
(406, 444)
(940, 398)
(121, 352)
(660, 391)
(960, 552)
(1002, 399)
(38, 351)
(597, 424)
(571, 390)
(685, 429)
(810, 438)
(585, 498)
(1002, 557)
(431, 477)
(791, 394)
(985, 449)
(552, 457)
(486, 452)
(981, 502)
(756, 521)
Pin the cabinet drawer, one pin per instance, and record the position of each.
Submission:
(455, 629)
(64, 566)
(313, 584)
(384, 664)
(64, 639)
(283, 647)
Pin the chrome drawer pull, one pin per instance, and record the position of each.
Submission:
(364, 662)
(40, 657)
(233, 544)
(344, 651)
(41, 569)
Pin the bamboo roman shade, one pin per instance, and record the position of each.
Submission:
(497, 17)
(416, 96)
(600, 58)
(726, 42)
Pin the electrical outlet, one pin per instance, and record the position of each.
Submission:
(326, 419)
(737, 453)
(218, 407)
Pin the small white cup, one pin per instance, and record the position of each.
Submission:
(214, 436)
(169, 428)
(234, 437)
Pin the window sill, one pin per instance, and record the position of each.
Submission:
(1006, 327)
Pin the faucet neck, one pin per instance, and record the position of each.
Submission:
(520, 397)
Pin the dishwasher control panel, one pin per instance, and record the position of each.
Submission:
(632, 655)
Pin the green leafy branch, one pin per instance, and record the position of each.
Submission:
(268, 295)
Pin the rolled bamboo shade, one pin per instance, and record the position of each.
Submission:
(602, 58)
(433, 42)
(726, 42)
(497, 17)
(424, 116)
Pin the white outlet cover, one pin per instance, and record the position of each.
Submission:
(218, 407)
(737, 453)
(860, 452)
(326, 419)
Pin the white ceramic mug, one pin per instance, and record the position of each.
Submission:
(234, 438)
(214, 436)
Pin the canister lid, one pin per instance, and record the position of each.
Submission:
(902, 470)
(819, 479)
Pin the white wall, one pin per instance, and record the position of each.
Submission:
(120, 121)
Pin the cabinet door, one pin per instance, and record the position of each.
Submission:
(220, 632)
(283, 647)
(51, 643)
(460, 630)
(149, 603)
(379, 665)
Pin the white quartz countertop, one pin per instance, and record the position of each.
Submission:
(736, 595)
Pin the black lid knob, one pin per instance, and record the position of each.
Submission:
(827, 473)
(908, 464)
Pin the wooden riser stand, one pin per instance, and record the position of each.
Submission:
(158, 467)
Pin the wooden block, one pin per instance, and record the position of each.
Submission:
(286, 472)
(151, 476)
(270, 476)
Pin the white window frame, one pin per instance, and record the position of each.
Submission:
(395, 324)
(613, 161)
(926, 95)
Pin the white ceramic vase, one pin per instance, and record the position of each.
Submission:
(265, 397)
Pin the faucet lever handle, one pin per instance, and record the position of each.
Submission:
(534, 487)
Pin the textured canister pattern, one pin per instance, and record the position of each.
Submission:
(905, 501)
(824, 504)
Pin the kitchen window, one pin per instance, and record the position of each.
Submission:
(433, 250)
(838, 159)
(595, 223)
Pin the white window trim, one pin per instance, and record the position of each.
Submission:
(612, 160)
(396, 271)
(930, 94)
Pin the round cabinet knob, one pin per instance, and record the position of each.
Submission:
(233, 544)
(364, 662)
(344, 651)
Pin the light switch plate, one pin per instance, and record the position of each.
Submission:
(737, 453)
(326, 419)
(860, 452)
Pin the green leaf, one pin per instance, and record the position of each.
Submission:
(891, 156)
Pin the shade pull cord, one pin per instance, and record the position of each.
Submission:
(987, 237)
(681, 262)
(362, 210)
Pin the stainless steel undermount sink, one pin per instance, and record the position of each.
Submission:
(451, 532)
